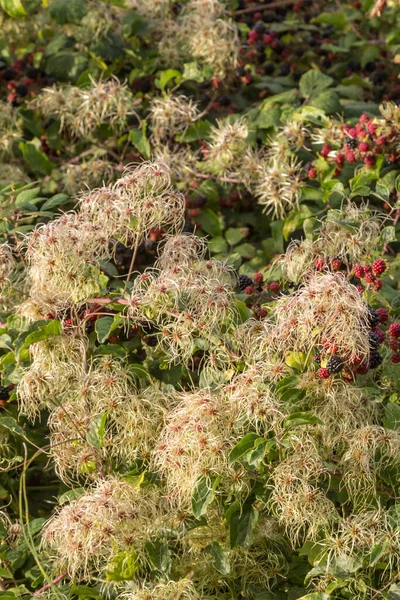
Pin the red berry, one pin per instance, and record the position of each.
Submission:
(312, 173)
(274, 286)
(395, 358)
(367, 268)
(336, 264)
(369, 160)
(364, 118)
(394, 345)
(383, 314)
(371, 128)
(379, 267)
(369, 278)
(377, 284)
(380, 334)
(48, 316)
(323, 373)
(248, 290)
(325, 150)
(350, 156)
(339, 159)
(360, 289)
(258, 278)
(359, 271)
(319, 264)
(363, 369)
(394, 330)
(381, 140)
(252, 37)
(363, 147)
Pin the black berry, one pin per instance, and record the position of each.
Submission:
(244, 281)
(335, 364)
(375, 359)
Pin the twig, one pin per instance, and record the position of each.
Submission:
(257, 7)
(54, 582)
(378, 9)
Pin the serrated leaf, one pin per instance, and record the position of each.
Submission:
(203, 495)
(314, 82)
(210, 222)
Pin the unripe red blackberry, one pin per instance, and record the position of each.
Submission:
(258, 278)
(369, 278)
(312, 173)
(359, 271)
(379, 267)
(362, 369)
(319, 264)
(377, 284)
(336, 264)
(360, 289)
(363, 147)
(383, 315)
(394, 345)
(380, 334)
(274, 286)
(395, 358)
(394, 330)
(367, 268)
(249, 290)
(323, 373)
(325, 150)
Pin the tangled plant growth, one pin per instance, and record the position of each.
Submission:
(199, 279)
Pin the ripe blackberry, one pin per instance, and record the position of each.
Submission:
(151, 340)
(383, 314)
(352, 143)
(374, 340)
(375, 359)
(380, 334)
(269, 68)
(317, 358)
(259, 27)
(323, 373)
(4, 393)
(22, 90)
(284, 70)
(373, 318)
(9, 74)
(244, 281)
(335, 364)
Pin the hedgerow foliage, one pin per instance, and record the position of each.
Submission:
(200, 331)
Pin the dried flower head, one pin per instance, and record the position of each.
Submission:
(170, 115)
(92, 173)
(228, 141)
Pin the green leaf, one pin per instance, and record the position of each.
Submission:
(122, 566)
(42, 333)
(297, 360)
(139, 140)
(14, 8)
(196, 131)
(261, 446)
(54, 201)
(388, 234)
(11, 424)
(328, 101)
(244, 311)
(95, 434)
(313, 83)
(301, 418)
(243, 447)
(105, 326)
(37, 160)
(295, 220)
(192, 72)
(66, 66)
(337, 19)
(241, 526)
(221, 558)
(268, 116)
(203, 495)
(210, 222)
(392, 416)
(164, 77)
(159, 555)
(27, 196)
(218, 245)
(67, 11)
(316, 596)
(71, 495)
(234, 235)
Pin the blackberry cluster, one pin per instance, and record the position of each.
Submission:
(375, 359)
(244, 281)
(4, 393)
(335, 364)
